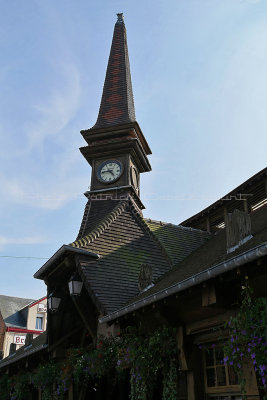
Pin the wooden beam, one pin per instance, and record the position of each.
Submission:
(208, 224)
(208, 295)
(62, 339)
(208, 323)
(245, 202)
(180, 345)
(84, 320)
(225, 215)
(190, 386)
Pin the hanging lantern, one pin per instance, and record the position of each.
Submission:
(75, 285)
(53, 301)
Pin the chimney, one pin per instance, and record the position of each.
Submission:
(238, 229)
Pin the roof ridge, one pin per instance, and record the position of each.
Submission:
(188, 228)
(101, 226)
(147, 228)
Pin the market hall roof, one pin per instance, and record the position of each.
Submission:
(38, 344)
(204, 263)
(125, 241)
(10, 308)
(178, 241)
(253, 192)
(117, 103)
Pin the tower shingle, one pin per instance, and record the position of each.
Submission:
(117, 103)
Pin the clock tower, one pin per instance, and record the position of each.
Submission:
(116, 147)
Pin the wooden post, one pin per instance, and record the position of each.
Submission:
(70, 393)
(245, 202)
(190, 386)
(180, 345)
(225, 215)
(208, 224)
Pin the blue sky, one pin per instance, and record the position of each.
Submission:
(199, 73)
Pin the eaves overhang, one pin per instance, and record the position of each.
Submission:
(62, 252)
(209, 273)
(243, 188)
(13, 357)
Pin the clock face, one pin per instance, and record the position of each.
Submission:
(109, 171)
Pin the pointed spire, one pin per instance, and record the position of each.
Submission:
(117, 103)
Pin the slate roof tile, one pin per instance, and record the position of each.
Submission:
(10, 308)
(211, 253)
(124, 242)
(178, 241)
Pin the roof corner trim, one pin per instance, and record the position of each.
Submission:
(62, 251)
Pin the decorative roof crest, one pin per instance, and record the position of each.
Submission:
(120, 19)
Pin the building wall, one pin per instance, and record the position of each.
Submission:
(2, 333)
(10, 337)
(38, 309)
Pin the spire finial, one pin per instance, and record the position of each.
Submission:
(120, 18)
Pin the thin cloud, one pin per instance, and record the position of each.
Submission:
(60, 108)
(5, 241)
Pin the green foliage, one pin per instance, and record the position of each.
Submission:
(20, 384)
(146, 357)
(47, 377)
(170, 382)
(248, 339)
(4, 387)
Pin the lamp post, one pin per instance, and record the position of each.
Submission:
(53, 301)
(75, 285)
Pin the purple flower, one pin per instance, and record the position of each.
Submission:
(231, 363)
(225, 359)
(262, 367)
(263, 381)
(249, 350)
(239, 365)
(253, 355)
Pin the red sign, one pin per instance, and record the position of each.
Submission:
(20, 340)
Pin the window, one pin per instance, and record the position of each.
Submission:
(39, 323)
(221, 380)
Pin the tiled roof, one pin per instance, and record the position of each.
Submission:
(124, 243)
(117, 103)
(178, 241)
(212, 252)
(10, 307)
(39, 343)
(97, 215)
(124, 240)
